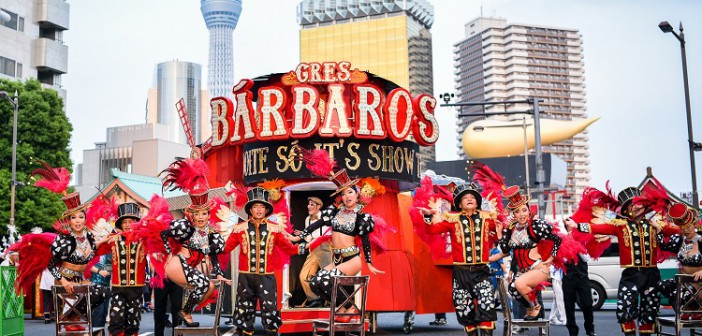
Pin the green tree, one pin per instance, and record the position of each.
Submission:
(43, 132)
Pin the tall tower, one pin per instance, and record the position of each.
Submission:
(391, 39)
(221, 17)
(498, 61)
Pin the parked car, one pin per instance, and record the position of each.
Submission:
(605, 273)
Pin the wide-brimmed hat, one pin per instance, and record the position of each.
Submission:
(515, 197)
(342, 181)
(127, 210)
(258, 195)
(626, 196)
(463, 189)
(682, 214)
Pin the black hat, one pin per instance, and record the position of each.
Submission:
(626, 196)
(465, 189)
(127, 210)
(258, 195)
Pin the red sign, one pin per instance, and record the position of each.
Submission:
(329, 100)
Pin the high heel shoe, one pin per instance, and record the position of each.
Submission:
(184, 321)
(533, 313)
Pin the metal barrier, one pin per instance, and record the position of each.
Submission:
(11, 304)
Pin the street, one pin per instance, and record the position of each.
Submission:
(388, 324)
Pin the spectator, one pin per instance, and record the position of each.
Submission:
(101, 275)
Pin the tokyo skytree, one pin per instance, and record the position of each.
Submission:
(221, 17)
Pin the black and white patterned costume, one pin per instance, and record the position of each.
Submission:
(71, 249)
(200, 243)
(521, 240)
(682, 247)
(351, 223)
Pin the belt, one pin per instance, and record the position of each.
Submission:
(70, 274)
(472, 267)
(347, 251)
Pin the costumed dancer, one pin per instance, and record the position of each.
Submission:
(70, 251)
(348, 223)
(526, 237)
(317, 258)
(263, 246)
(687, 245)
(638, 255)
(129, 274)
(189, 241)
(472, 234)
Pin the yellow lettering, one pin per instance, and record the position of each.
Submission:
(399, 160)
(352, 147)
(387, 159)
(262, 156)
(376, 163)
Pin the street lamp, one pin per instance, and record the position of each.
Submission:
(667, 28)
(15, 102)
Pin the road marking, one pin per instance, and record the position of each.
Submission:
(230, 332)
(146, 334)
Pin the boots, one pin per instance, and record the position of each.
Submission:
(273, 332)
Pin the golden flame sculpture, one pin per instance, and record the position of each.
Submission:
(495, 138)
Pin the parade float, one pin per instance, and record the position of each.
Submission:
(372, 128)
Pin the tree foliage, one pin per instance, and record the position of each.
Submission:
(43, 132)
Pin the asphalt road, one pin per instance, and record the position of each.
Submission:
(388, 324)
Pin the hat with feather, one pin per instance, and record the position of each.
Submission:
(56, 180)
(190, 175)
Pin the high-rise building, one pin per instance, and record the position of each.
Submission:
(172, 81)
(391, 39)
(221, 17)
(32, 41)
(499, 61)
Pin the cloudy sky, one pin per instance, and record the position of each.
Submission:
(633, 70)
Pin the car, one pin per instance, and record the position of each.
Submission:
(605, 273)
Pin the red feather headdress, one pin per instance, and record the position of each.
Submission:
(318, 162)
(54, 179)
(654, 197)
(148, 231)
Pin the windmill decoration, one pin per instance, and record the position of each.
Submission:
(195, 152)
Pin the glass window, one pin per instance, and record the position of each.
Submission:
(20, 24)
(7, 66)
(19, 70)
(12, 24)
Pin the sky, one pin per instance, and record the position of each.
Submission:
(633, 71)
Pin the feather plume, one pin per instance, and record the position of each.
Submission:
(186, 174)
(238, 192)
(318, 162)
(273, 187)
(654, 197)
(210, 300)
(280, 208)
(370, 188)
(380, 232)
(533, 294)
(100, 208)
(54, 179)
(148, 232)
(423, 196)
(34, 252)
(214, 220)
(491, 181)
(324, 238)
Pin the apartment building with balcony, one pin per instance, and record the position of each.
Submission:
(32, 41)
(498, 61)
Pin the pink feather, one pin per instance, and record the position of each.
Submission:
(54, 179)
(318, 162)
(187, 175)
(238, 192)
(100, 208)
(436, 243)
(34, 253)
(280, 258)
(654, 197)
(148, 232)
